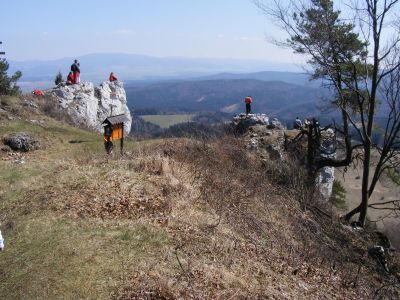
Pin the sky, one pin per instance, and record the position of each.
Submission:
(52, 29)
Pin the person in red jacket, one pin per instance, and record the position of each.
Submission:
(37, 92)
(70, 78)
(248, 100)
(112, 77)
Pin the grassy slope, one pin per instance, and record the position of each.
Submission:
(165, 121)
(48, 252)
(170, 218)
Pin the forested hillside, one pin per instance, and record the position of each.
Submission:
(273, 97)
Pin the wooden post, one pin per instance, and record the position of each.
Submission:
(122, 139)
(310, 145)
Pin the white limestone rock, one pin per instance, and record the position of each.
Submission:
(251, 119)
(324, 181)
(326, 175)
(90, 106)
(112, 95)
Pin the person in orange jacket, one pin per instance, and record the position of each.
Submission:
(248, 100)
(112, 77)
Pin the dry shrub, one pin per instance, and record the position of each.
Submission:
(273, 207)
(147, 164)
(144, 288)
(296, 144)
(240, 227)
(234, 180)
(49, 106)
(7, 101)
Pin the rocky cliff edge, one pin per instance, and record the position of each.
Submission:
(89, 106)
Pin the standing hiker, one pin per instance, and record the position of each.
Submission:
(297, 123)
(78, 80)
(76, 71)
(108, 144)
(248, 100)
(112, 77)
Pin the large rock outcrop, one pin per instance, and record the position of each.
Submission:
(90, 106)
(264, 135)
(243, 122)
(268, 137)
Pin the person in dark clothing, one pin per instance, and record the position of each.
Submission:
(75, 71)
(248, 100)
(78, 80)
(108, 144)
(297, 123)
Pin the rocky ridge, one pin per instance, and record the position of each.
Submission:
(268, 138)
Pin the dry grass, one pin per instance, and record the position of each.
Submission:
(171, 219)
(242, 232)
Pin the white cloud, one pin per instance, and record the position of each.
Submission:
(123, 31)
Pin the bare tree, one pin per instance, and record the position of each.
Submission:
(359, 59)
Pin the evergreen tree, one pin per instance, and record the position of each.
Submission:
(359, 67)
(8, 85)
(58, 79)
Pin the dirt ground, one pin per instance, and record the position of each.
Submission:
(385, 190)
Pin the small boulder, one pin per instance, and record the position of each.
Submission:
(30, 104)
(21, 142)
(275, 124)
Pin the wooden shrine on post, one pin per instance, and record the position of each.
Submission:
(114, 130)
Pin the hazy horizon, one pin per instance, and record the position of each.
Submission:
(96, 68)
(44, 30)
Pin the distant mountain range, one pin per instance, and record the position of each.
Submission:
(298, 78)
(97, 67)
(177, 84)
(276, 98)
(302, 79)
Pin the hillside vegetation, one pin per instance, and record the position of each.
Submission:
(172, 218)
(273, 97)
(165, 121)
